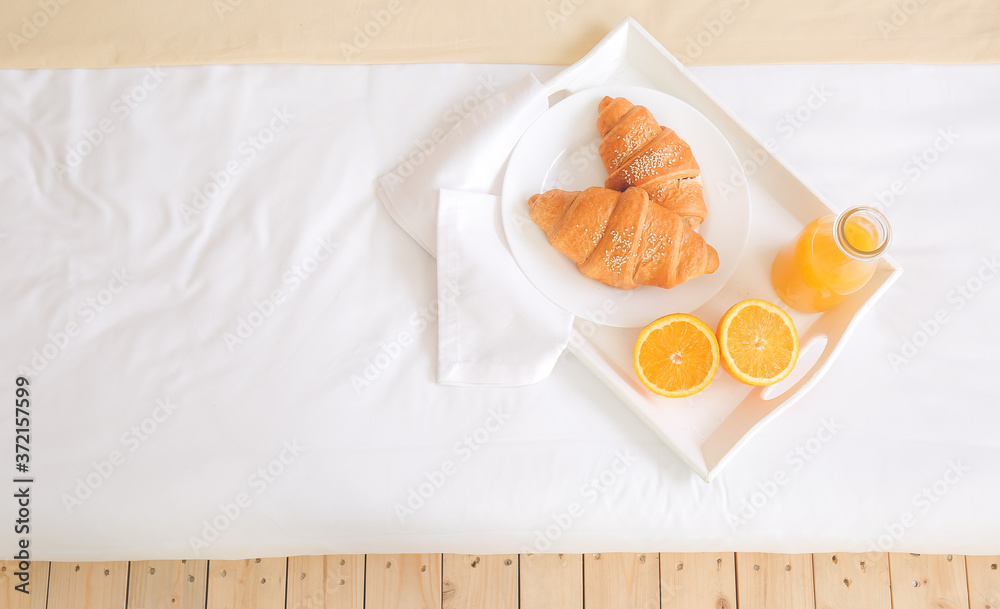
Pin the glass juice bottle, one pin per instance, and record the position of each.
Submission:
(833, 257)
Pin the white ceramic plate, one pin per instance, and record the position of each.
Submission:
(559, 150)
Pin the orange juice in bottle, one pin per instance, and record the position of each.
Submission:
(833, 257)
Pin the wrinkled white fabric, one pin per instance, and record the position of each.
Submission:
(497, 329)
(251, 365)
(469, 156)
(494, 327)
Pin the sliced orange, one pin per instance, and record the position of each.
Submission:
(758, 342)
(676, 356)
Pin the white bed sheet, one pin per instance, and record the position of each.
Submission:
(281, 320)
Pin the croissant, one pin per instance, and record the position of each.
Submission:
(622, 239)
(637, 151)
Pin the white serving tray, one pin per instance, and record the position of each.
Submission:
(706, 430)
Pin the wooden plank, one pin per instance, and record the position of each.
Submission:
(242, 584)
(326, 582)
(774, 581)
(480, 581)
(620, 580)
(984, 581)
(405, 581)
(928, 581)
(852, 581)
(551, 581)
(168, 584)
(37, 585)
(698, 580)
(92, 585)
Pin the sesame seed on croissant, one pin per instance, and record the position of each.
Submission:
(621, 238)
(638, 151)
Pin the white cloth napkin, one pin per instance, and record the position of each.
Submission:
(499, 330)
(470, 157)
(495, 328)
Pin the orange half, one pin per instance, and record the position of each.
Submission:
(676, 356)
(758, 342)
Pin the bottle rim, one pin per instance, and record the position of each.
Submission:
(881, 226)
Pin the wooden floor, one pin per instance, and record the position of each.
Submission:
(526, 581)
